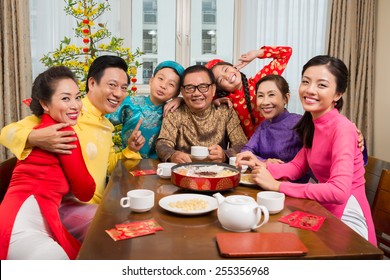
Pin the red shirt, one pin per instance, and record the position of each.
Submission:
(48, 177)
(281, 56)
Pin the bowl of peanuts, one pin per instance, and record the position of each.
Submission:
(205, 176)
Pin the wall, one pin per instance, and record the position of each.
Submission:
(382, 88)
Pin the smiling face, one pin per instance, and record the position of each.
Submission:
(164, 85)
(108, 94)
(317, 91)
(65, 104)
(270, 99)
(227, 77)
(198, 101)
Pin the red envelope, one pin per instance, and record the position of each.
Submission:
(151, 224)
(303, 220)
(143, 172)
(288, 219)
(308, 221)
(121, 234)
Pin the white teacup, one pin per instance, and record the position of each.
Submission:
(140, 200)
(273, 201)
(164, 170)
(232, 161)
(199, 152)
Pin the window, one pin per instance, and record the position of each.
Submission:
(195, 31)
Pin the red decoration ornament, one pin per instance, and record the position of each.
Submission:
(86, 31)
(86, 40)
(85, 21)
(133, 88)
(85, 50)
(133, 80)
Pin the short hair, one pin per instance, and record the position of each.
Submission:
(45, 84)
(279, 81)
(101, 63)
(197, 69)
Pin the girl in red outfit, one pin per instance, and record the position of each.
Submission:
(240, 90)
(30, 225)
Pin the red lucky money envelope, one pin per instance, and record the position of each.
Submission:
(143, 172)
(303, 220)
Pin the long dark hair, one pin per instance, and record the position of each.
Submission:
(221, 93)
(45, 84)
(305, 127)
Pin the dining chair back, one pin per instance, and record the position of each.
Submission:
(6, 168)
(381, 212)
(372, 175)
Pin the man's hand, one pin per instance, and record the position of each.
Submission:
(216, 154)
(136, 140)
(180, 157)
(52, 140)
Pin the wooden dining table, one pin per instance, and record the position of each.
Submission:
(193, 237)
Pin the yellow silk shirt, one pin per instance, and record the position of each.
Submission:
(95, 135)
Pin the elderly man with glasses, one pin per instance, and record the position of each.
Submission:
(197, 122)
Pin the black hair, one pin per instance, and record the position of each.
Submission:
(305, 127)
(197, 69)
(101, 63)
(221, 93)
(45, 84)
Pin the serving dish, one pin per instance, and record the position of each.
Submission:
(246, 179)
(169, 202)
(205, 176)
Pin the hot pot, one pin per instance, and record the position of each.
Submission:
(207, 182)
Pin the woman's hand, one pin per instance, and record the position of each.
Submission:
(172, 105)
(180, 157)
(246, 58)
(218, 101)
(274, 160)
(264, 179)
(136, 140)
(248, 158)
(216, 154)
(360, 140)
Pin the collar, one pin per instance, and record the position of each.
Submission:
(90, 108)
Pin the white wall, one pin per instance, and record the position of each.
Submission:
(382, 88)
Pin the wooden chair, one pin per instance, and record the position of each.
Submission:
(381, 212)
(373, 173)
(6, 168)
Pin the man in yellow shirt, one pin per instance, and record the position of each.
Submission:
(107, 84)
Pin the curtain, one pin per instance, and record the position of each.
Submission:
(300, 24)
(352, 39)
(15, 63)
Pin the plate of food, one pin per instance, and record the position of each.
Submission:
(206, 176)
(188, 204)
(246, 179)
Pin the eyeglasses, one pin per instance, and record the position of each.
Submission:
(203, 88)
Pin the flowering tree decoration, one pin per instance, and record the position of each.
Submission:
(79, 58)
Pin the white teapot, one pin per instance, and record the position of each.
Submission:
(240, 213)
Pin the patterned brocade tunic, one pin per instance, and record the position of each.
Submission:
(281, 56)
(182, 129)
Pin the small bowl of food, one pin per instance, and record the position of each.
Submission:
(206, 177)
